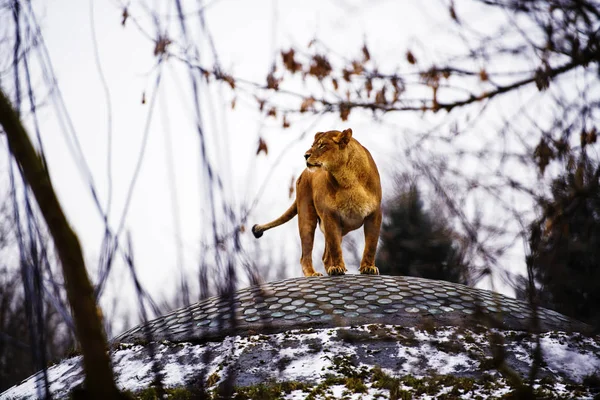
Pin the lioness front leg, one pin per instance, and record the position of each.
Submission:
(332, 257)
(372, 226)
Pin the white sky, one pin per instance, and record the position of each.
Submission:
(247, 35)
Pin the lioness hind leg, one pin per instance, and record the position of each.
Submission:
(372, 225)
(307, 223)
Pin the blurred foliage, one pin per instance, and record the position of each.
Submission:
(418, 242)
(564, 245)
(17, 360)
(19, 318)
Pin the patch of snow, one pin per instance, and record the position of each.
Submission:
(131, 372)
(295, 395)
(310, 355)
(62, 377)
(338, 391)
(561, 357)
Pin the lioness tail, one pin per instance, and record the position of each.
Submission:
(291, 212)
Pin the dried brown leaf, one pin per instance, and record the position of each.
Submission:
(307, 104)
(380, 97)
(261, 103)
(366, 54)
(161, 44)
(453, 12)
(592, 136)
(286, 123)
(334, 82)
(410, 57)
(272, 81)
(357, 67)
(435, 106)
(483, 75)
(229, 79)
(344, 111)
(262, 147)
(320, 67)
(542, 155)
(125, 16)
(562, 148)
(346, 73)
(542, 79)
(369, 86)
(431, 77)
(290, 62)
(588, 137)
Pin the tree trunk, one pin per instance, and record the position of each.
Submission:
(99, 382)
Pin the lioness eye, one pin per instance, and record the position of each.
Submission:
(321, 145)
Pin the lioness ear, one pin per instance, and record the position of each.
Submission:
(343, 137)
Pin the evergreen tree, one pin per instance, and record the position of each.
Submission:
(564, 263)
(415, 242)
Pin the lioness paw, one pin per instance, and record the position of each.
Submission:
(336, 270)
(369, 270)
(315, 274)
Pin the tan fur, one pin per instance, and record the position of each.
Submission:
(340, 189)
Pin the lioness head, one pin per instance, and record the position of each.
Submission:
(328, 151)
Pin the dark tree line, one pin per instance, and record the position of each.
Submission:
(564, 260)
(16, 332)
(418, 242)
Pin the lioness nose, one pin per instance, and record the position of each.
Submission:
(306, 155)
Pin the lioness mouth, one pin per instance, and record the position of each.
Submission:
(309, 165)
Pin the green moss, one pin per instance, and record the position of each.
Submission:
(468, 338)
(346, 367)
(356, 385)
(428, 385)
(322, 389)
(212, 379)
(171, 394)
(381, 380)
(451, 347)
(268, 391)
(592, 381)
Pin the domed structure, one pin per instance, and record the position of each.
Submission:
(374, 335)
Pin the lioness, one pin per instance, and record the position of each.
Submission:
(340, 190)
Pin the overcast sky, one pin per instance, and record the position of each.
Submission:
(104, 69)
